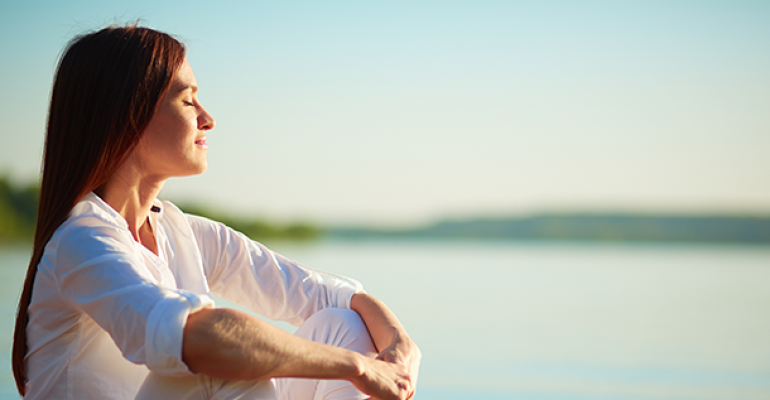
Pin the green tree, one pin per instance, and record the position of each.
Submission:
(18, 210)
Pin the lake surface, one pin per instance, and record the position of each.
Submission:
(519, 320)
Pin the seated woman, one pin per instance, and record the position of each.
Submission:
(116, 302)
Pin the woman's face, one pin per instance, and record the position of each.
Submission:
(174, 143)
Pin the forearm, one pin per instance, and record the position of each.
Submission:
(233, 345)
(389, 336)
(383, 325)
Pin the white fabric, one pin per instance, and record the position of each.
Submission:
(105, 310)
(339, 328)
(336, 327)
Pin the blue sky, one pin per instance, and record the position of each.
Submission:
(405, 112)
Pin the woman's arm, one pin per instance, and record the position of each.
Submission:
(249, 274)
(389, 336)
(230, 344)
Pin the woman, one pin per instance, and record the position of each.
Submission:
(116, 302)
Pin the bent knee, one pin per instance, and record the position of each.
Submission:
(336, 322)
(340, 328)
(335, 316)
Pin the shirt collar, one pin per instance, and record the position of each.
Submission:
(95, 203)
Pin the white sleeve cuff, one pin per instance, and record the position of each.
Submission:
(340, 293)
(165, 329)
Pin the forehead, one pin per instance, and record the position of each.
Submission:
(184, 78)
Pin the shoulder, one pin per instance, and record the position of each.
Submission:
(90, 233)
(213, 238)
(176, 219)
(91, 220)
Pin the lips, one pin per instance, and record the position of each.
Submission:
(202, 143)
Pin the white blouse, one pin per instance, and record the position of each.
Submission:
(105, 310)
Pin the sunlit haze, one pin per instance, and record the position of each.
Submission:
(400, 113)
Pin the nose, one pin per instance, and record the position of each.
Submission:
(205, 120)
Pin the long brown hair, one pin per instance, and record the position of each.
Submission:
(107, 86)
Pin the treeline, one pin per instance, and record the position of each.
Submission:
(18, 214)
(648, 228)
(256, 229)
(18, 211)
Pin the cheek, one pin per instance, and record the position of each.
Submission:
(180, 126)
(171, 132)
(156, 145)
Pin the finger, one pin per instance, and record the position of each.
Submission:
(387, 355)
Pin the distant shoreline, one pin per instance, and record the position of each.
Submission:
(606, 228)
(18, 209)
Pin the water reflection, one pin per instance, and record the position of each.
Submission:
(553, 321)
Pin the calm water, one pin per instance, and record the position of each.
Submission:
(503, 320)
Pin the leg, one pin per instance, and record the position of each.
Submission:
(202, 387)
(336, 327)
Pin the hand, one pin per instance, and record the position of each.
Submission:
(389, 335)
(403, 351)
(384, 381)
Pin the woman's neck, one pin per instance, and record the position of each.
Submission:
(132, 196)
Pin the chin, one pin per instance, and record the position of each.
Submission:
(195, 170)
(201, 167)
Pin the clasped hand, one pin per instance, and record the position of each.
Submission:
(392, 375)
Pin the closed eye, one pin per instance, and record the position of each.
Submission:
(187, 103)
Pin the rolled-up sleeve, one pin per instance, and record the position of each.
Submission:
(99, 272)
(165, 326)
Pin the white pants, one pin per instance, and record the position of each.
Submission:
(336, 327)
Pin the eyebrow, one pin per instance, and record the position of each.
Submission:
(194, 88)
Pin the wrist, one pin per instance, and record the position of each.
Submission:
(356, 367)
(406, 350)
(402, 341)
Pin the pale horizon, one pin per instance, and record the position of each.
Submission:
(407, 113)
